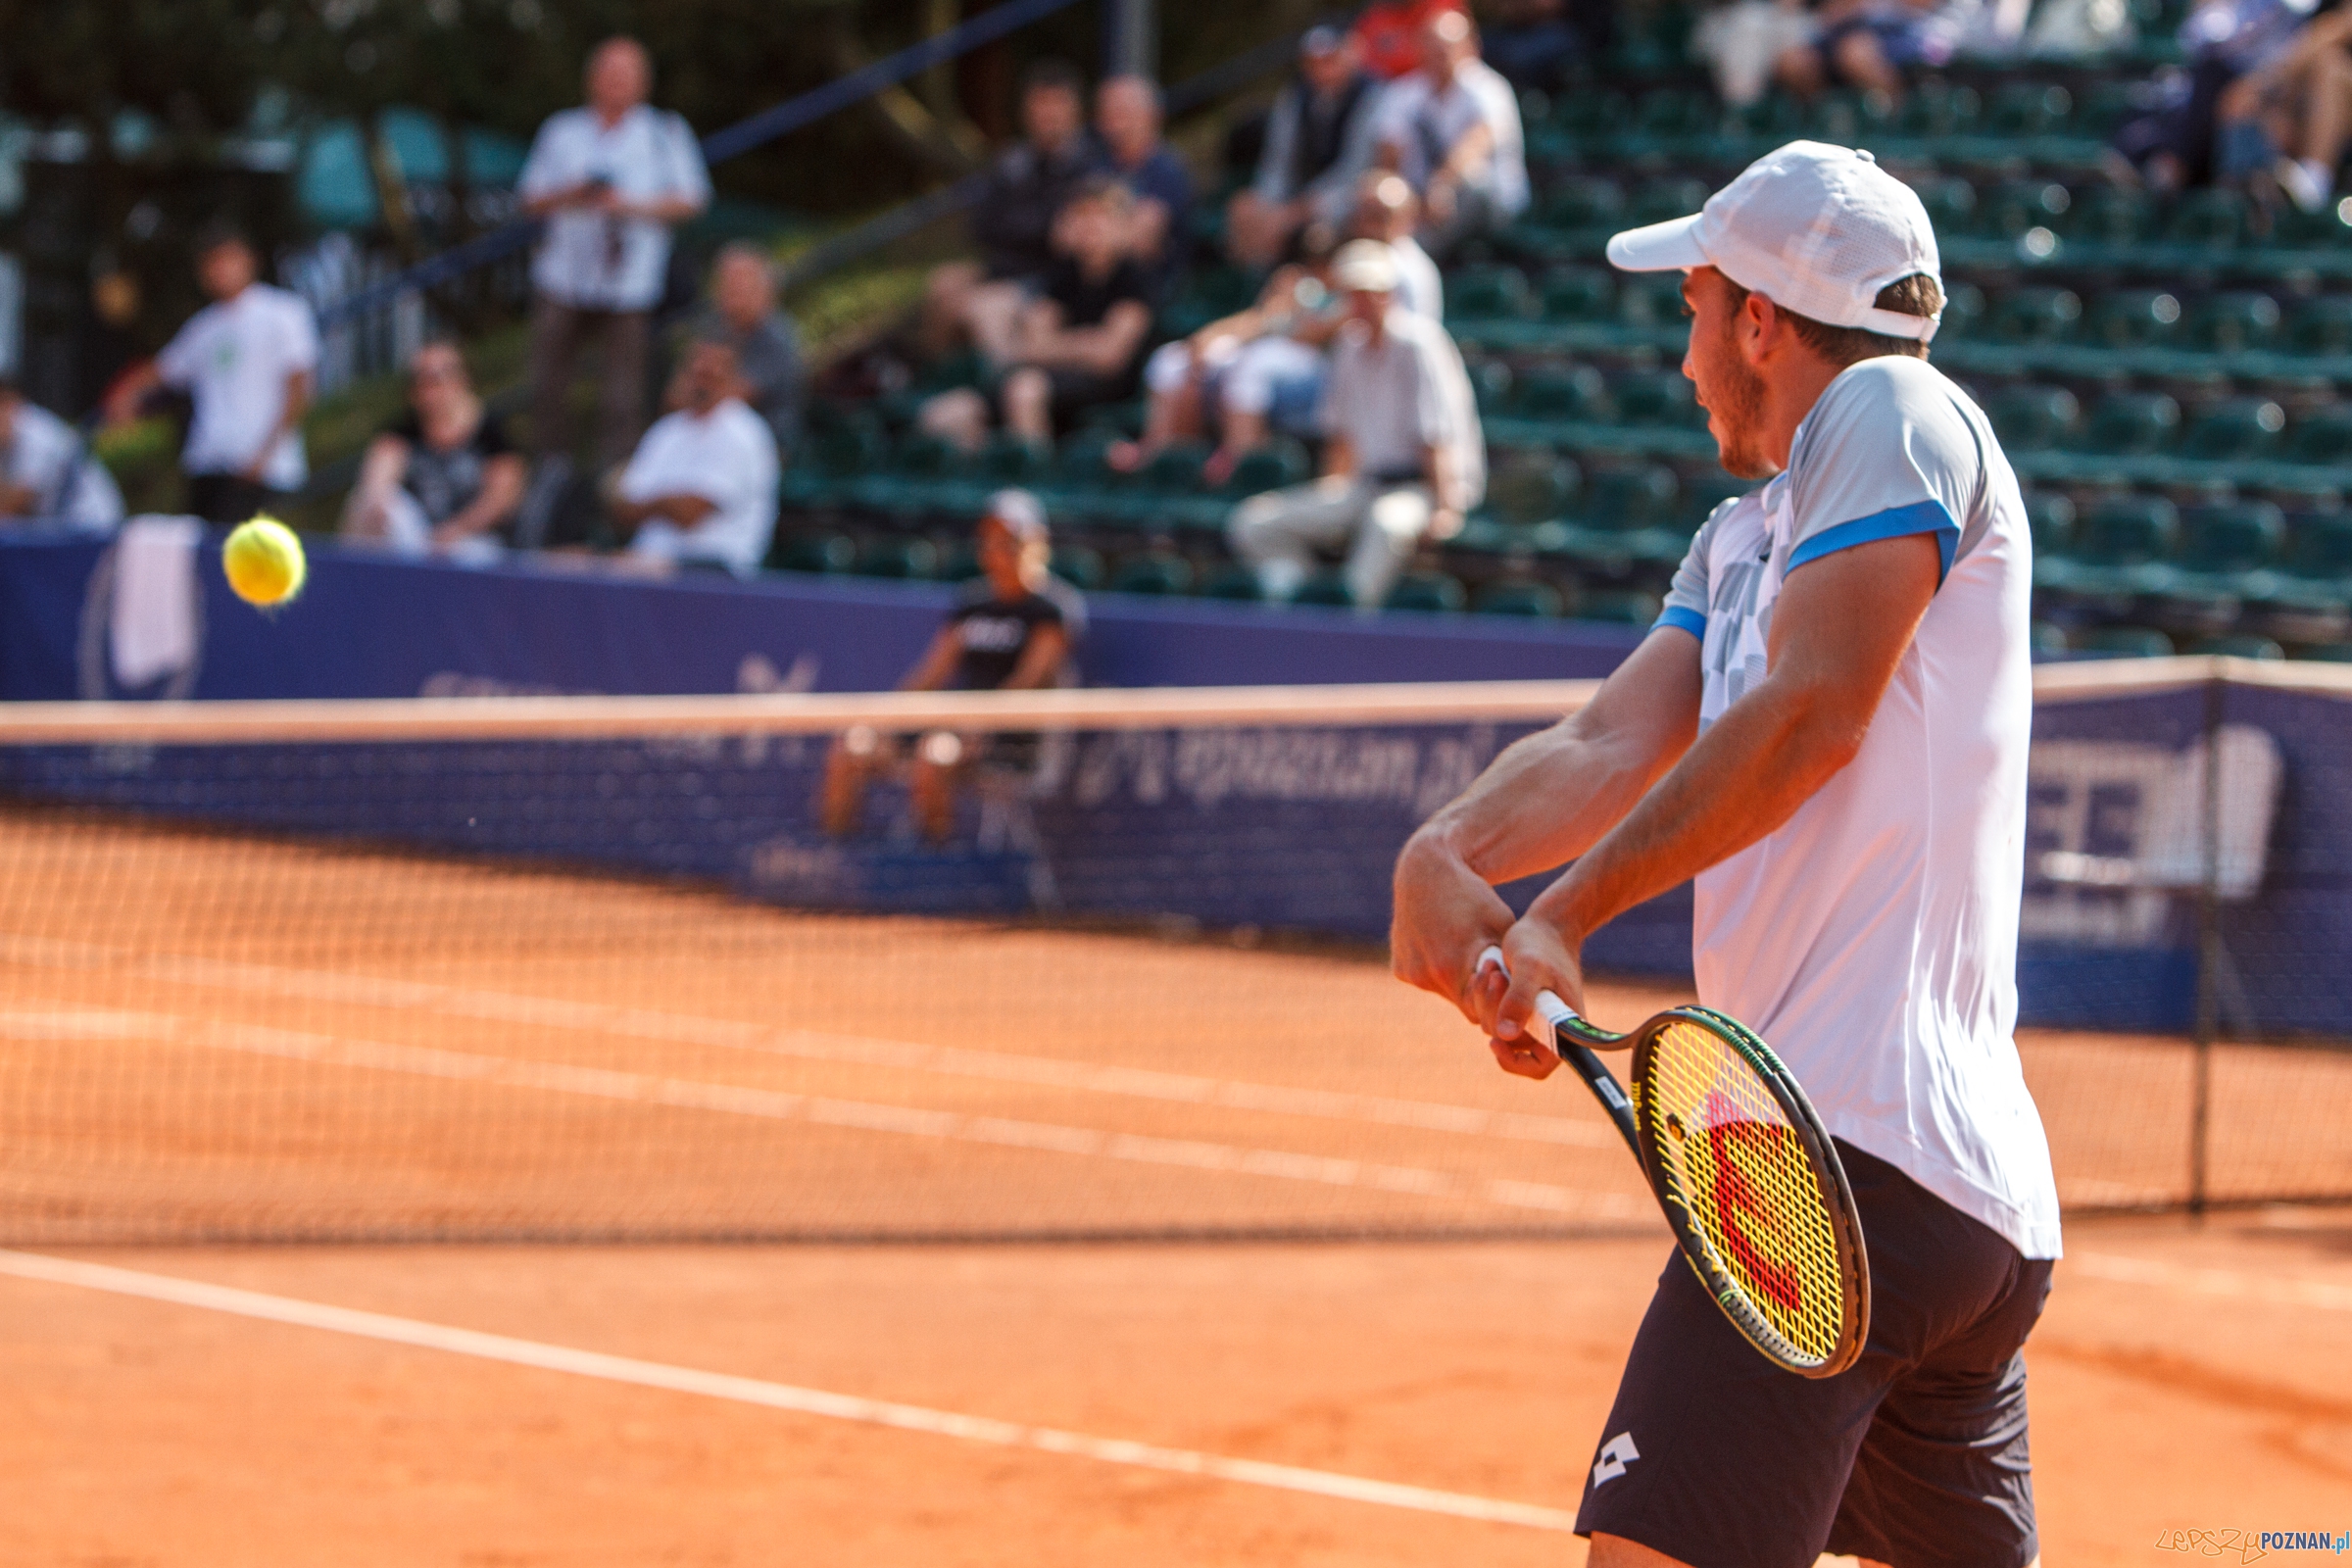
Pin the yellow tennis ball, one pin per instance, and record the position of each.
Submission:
(263, 562)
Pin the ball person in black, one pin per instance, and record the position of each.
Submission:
(1012, 629)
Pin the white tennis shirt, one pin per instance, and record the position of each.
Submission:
(1872, 939)
(728, 457)
(233, 359)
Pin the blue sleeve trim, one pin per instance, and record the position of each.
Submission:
(1683, 618)
(1921, 516)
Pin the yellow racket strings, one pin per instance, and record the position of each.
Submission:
(1747, 1184)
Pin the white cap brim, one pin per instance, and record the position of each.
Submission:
(1669, 247)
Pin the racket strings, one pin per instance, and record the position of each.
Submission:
(1748, 1184)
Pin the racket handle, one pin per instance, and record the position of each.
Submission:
(1552, 1016)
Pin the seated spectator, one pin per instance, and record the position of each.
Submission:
(1743, 42)
(1386, 209)
(1403, 457)
(442, 477)
(767, 345)
(1012, 224)
(1537, 43)
(1127, 124)
(1011, 630)
(47, 470)
(2285, 122)
(1453, 131)
(1875, 45)
(700, 490)
(1318, 145)
(1388, 34)
(2172, 147)
(1076, 344)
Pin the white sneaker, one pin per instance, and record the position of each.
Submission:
(2307, 182)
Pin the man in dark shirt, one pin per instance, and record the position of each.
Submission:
(1011, 629)
(1127, 124)
(1012, 224)
(1320, 142)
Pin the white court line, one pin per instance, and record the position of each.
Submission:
(772, 1396)
(2231, 1283)
(501, 1006)
(1003, 1132)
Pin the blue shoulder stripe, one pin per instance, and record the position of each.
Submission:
(1683, 619)
(1921, 516)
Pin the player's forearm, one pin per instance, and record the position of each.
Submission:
(1755, 765)
(1585, 782)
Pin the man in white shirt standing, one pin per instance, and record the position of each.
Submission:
(702, 487)
(610, 179)
(47, 471)
(1403, 454)
(248, 361)
(1453, 129)
(1828, 730)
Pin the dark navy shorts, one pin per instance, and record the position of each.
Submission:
(1916, 1455)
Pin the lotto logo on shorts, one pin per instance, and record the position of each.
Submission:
(1615, 1455)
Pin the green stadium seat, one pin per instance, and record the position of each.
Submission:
(1707, 491)
(1662, 199)
(2225, 558)
(816, 553)
(1936, 109)
(1624, 606)
(1581, 204)
(1651, 299)
(2322, 325)
(1962, 312)
(1951, 204)
(2109, 215)
(2322, 548)
(2047, 637)
(922, 456)
(2020, 108)
(1489, 294)
(2234, 321)
(1579, 294)
(1428, 592)
(2213, 218)
(1660, 398)
(2032, 418)
(1078, 566)
(2241, 646)
(2102, 105)
(1674, 111)
(914, 560)
(1536, 600)
(2051, 516)
(1530, 486)
(1275, 466)
(1155, 573)
(850, 449)
(1328, 589)
(2330, 227)
(2120, 642)
(1621, 500)
(1489, 383)
(2328, 653)
(2036, 314)
(1233, 582)
(1009, 460)
(2121, 546)
(2323, 437)
(1574, 393)
(958, 561)
(2236, 428)
(2133, 319)
(2131, 422)
(2017, 205)
(1175, 469)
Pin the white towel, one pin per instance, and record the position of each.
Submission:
(155, 609)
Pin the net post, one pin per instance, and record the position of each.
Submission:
(2209, 936)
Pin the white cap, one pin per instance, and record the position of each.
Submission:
(1816, 229)
(1366, 266)
(1018, 514)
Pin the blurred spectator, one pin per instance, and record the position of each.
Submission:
(1257, 370)
(1076, 344)
(1386, 209)
(1453, 131)
(47, 470)
(1318, 144)
(1388, 34)
(1011, 630)
(611, 178)
(248, 361)
(1742, 44)
(443, 477)
(2286, 121)
(1875, 44)
(1127, 121)
(768, 344)
(2172, 146)
(1404, 455)
(1012, 224)
(700, 490)
(1537, 43)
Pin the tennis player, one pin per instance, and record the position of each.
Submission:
(1827, 728)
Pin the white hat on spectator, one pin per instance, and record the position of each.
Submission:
(1018, 514)
(1815, 228)
(1366, 267)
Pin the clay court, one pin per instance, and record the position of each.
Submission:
(595, 1222)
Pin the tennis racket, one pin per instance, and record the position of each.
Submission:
(1744, 1171)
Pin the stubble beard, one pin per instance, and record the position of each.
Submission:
(1739, 410)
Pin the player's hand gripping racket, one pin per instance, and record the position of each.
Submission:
(1744, 1171)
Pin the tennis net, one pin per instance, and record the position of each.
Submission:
(591, 968)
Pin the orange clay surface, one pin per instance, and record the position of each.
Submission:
(201, 1040)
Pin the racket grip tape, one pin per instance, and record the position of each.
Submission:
(1553, 1015)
